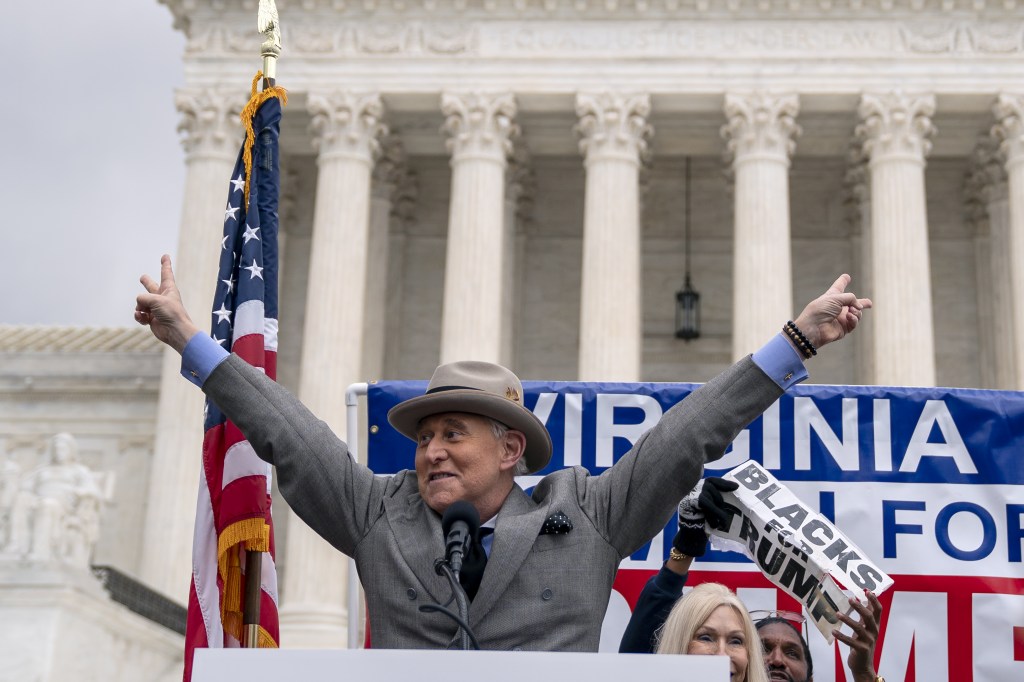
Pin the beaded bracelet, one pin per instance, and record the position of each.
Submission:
(805, 347)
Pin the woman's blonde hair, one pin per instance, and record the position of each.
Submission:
(692, 610)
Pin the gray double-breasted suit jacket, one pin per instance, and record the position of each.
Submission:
(539, 592)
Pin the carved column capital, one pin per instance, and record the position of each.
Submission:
(479, 125)
(347, 124)
(896, 125)
(984, 182)
(1009, 127)
(761, 124)
(613, 125)
(210, 124)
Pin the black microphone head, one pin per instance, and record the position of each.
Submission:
(460, 510)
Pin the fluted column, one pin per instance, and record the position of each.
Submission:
(614, 132)
(760, 135)
(212, 134)
(480, 129)
(1009, 129)
(346, 128)
(858, 204)
(989, 213)
(896, 129)
(386, 175)
(518, 197)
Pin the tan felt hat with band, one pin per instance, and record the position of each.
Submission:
(477, 388)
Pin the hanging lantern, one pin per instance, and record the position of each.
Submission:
(687, 298)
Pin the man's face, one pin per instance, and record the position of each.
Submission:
(459, 458)
(783, 653)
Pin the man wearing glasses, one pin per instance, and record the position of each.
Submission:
(787, 655)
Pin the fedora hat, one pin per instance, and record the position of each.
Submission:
(479, 388)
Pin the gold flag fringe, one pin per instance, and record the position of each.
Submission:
(247, 115)
(255, 534)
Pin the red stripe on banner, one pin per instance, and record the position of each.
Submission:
(250, 349)
(957, 592)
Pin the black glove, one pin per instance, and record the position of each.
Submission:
(691, 539)
(719, 514)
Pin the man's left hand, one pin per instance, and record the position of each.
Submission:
(862, 642)
(832, 315)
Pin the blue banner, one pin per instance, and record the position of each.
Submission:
(813, 433)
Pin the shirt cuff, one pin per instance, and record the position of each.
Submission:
(200, 357)
(780, 361)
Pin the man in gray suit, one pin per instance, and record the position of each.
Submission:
(553, 554)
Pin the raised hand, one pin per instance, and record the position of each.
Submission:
(862, 642)
(832, 315)
(719, 514)
(161, 309)
(690, 538)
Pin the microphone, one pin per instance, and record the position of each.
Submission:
(460, 524)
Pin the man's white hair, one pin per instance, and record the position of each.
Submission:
(500, 431)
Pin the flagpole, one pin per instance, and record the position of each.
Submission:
(269, 26)
(267, 23)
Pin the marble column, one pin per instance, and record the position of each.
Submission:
(212, 134)
(1009, 129)
(614, 134)
(518, 198)
(858, 203)
(386, 175)
(989, 212)
(346, 127)
(480, 129)
(896, 129)
(760, 134)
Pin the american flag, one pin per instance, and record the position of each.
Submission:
(233, 507)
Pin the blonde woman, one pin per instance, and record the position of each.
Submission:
(712, 621)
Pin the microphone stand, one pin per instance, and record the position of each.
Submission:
(467, 640)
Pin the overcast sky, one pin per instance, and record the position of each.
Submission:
(92, 167)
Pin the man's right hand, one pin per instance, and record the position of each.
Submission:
(162, 310)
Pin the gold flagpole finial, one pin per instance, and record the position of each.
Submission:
(268, 24)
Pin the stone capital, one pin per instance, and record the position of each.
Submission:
(896, 125)
(613, 125)
(1009, 127)
(984, 182)
(210, 124)
(761, 125)
(346, 125)
(479, 125)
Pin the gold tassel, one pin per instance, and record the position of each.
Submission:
(247, 115)
(255, 534)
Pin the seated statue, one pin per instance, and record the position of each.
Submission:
(56, 509)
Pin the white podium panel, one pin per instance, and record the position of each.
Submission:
(402, 665)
